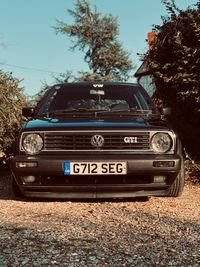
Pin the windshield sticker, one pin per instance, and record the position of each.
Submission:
(97, 92)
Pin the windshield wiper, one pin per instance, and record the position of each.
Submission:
(127, 111)
(142, 113)
(56, 112)
(70, 111)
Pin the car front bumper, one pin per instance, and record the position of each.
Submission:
(51, 182)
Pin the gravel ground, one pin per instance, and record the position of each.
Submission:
(158, 232)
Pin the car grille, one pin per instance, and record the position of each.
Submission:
(97, 180)
(64, 141)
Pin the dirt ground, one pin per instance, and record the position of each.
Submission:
(157, 232)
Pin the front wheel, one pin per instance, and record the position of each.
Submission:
(176, 188)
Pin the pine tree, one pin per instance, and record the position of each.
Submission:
(96, 35)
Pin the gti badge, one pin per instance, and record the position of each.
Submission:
(130, 139)
(97, 140)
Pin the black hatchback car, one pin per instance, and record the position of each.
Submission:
(97, 140)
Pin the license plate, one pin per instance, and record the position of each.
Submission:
(94, 168)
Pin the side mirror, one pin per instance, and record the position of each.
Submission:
(28, 112)
(166, 111)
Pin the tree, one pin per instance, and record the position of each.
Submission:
(174, 60)
(12, 100)
(96, 35)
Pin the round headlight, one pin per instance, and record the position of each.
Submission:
(161, 142)
(32, 143)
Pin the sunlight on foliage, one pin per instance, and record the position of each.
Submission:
(174, 60)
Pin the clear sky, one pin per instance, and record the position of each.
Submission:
(33, 52)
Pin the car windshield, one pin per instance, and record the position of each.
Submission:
(68, 98)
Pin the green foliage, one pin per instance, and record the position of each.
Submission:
(96, 35)
(174, 61)
(12, 100)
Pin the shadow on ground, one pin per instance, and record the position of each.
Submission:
(142, 239)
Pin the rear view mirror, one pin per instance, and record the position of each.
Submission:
(28, 112)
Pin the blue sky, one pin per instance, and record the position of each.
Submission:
(30, 42)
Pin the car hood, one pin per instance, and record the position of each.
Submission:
(92, 123)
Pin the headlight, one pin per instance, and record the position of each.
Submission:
(32, 143)
(161, 142)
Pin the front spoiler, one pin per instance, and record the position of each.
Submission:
(95, 192)
(94, 195)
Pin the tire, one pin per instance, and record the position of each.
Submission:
(176, 188)
(16, 190)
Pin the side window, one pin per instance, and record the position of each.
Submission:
(47, 104)
(148, 84)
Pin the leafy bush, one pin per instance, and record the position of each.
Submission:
(174, 61)
(12, 100)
